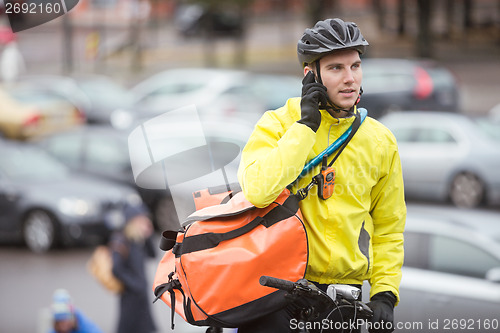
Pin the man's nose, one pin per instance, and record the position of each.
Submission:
(348, 76)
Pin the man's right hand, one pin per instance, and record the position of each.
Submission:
(313, 94)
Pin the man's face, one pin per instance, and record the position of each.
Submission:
(64, 326)
(341, 74)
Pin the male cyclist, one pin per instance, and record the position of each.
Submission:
(357, 233)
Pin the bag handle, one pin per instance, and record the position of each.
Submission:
(210, 240)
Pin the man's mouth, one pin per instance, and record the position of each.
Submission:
(348, 92)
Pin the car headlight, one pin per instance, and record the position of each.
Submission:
(121, 119)
(78, 207)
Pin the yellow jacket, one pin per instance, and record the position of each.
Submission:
(355, 235)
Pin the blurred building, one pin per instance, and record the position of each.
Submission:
(466, 12)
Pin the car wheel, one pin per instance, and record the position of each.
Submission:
(165, 215)
(467, 190)
(39, 231)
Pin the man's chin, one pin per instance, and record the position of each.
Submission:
(345, 106)
(344, 103)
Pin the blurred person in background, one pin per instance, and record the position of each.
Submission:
(68, 319)
(357, 233)
(131, 246)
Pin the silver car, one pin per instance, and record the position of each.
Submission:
(451, 274)
(446, 156)
(217, 93)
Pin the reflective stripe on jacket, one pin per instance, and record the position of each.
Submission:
(355, 235)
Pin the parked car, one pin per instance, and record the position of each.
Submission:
(401, 84)
(45, 204)
(189, 162)
(215, 92)
(451, 273)
(104, 152)
(446, 156)
(96, 96)
(25, 115)
(490, 126)
(105, 96)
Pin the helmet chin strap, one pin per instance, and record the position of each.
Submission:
(331, 105)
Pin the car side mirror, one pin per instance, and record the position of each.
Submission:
(493, 275)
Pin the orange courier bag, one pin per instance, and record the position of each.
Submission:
(211, 274)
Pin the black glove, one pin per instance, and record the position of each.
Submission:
(313, 94)
(382, 305)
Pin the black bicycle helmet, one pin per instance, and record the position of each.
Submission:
(328, 36)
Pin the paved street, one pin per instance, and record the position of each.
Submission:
(27, 282)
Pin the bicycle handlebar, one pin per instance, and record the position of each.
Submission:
(337, 293)
(272, 282)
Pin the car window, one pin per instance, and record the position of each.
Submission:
(403, 134)
(489, 127)
(236, 91)
(110, 156)
(67, 149)
(454, 256)
(441, 78)
(416, 249)
(19, 164)
(168, 87)
(282, 89)
(181, 88)
(433, 135)
(374, 82)
(107, 93)
(31, 96)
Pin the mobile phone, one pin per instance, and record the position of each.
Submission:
(321, 105)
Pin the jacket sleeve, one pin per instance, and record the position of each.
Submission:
(273, 158)
(388, 211)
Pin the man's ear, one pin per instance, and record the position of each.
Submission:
(307, 69)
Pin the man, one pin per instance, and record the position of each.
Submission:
(357, 233)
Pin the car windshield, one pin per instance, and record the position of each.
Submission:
(379, 77)
(107, 93)
(30, 164)
(489, 127)
(169, 85)
(32, 96)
